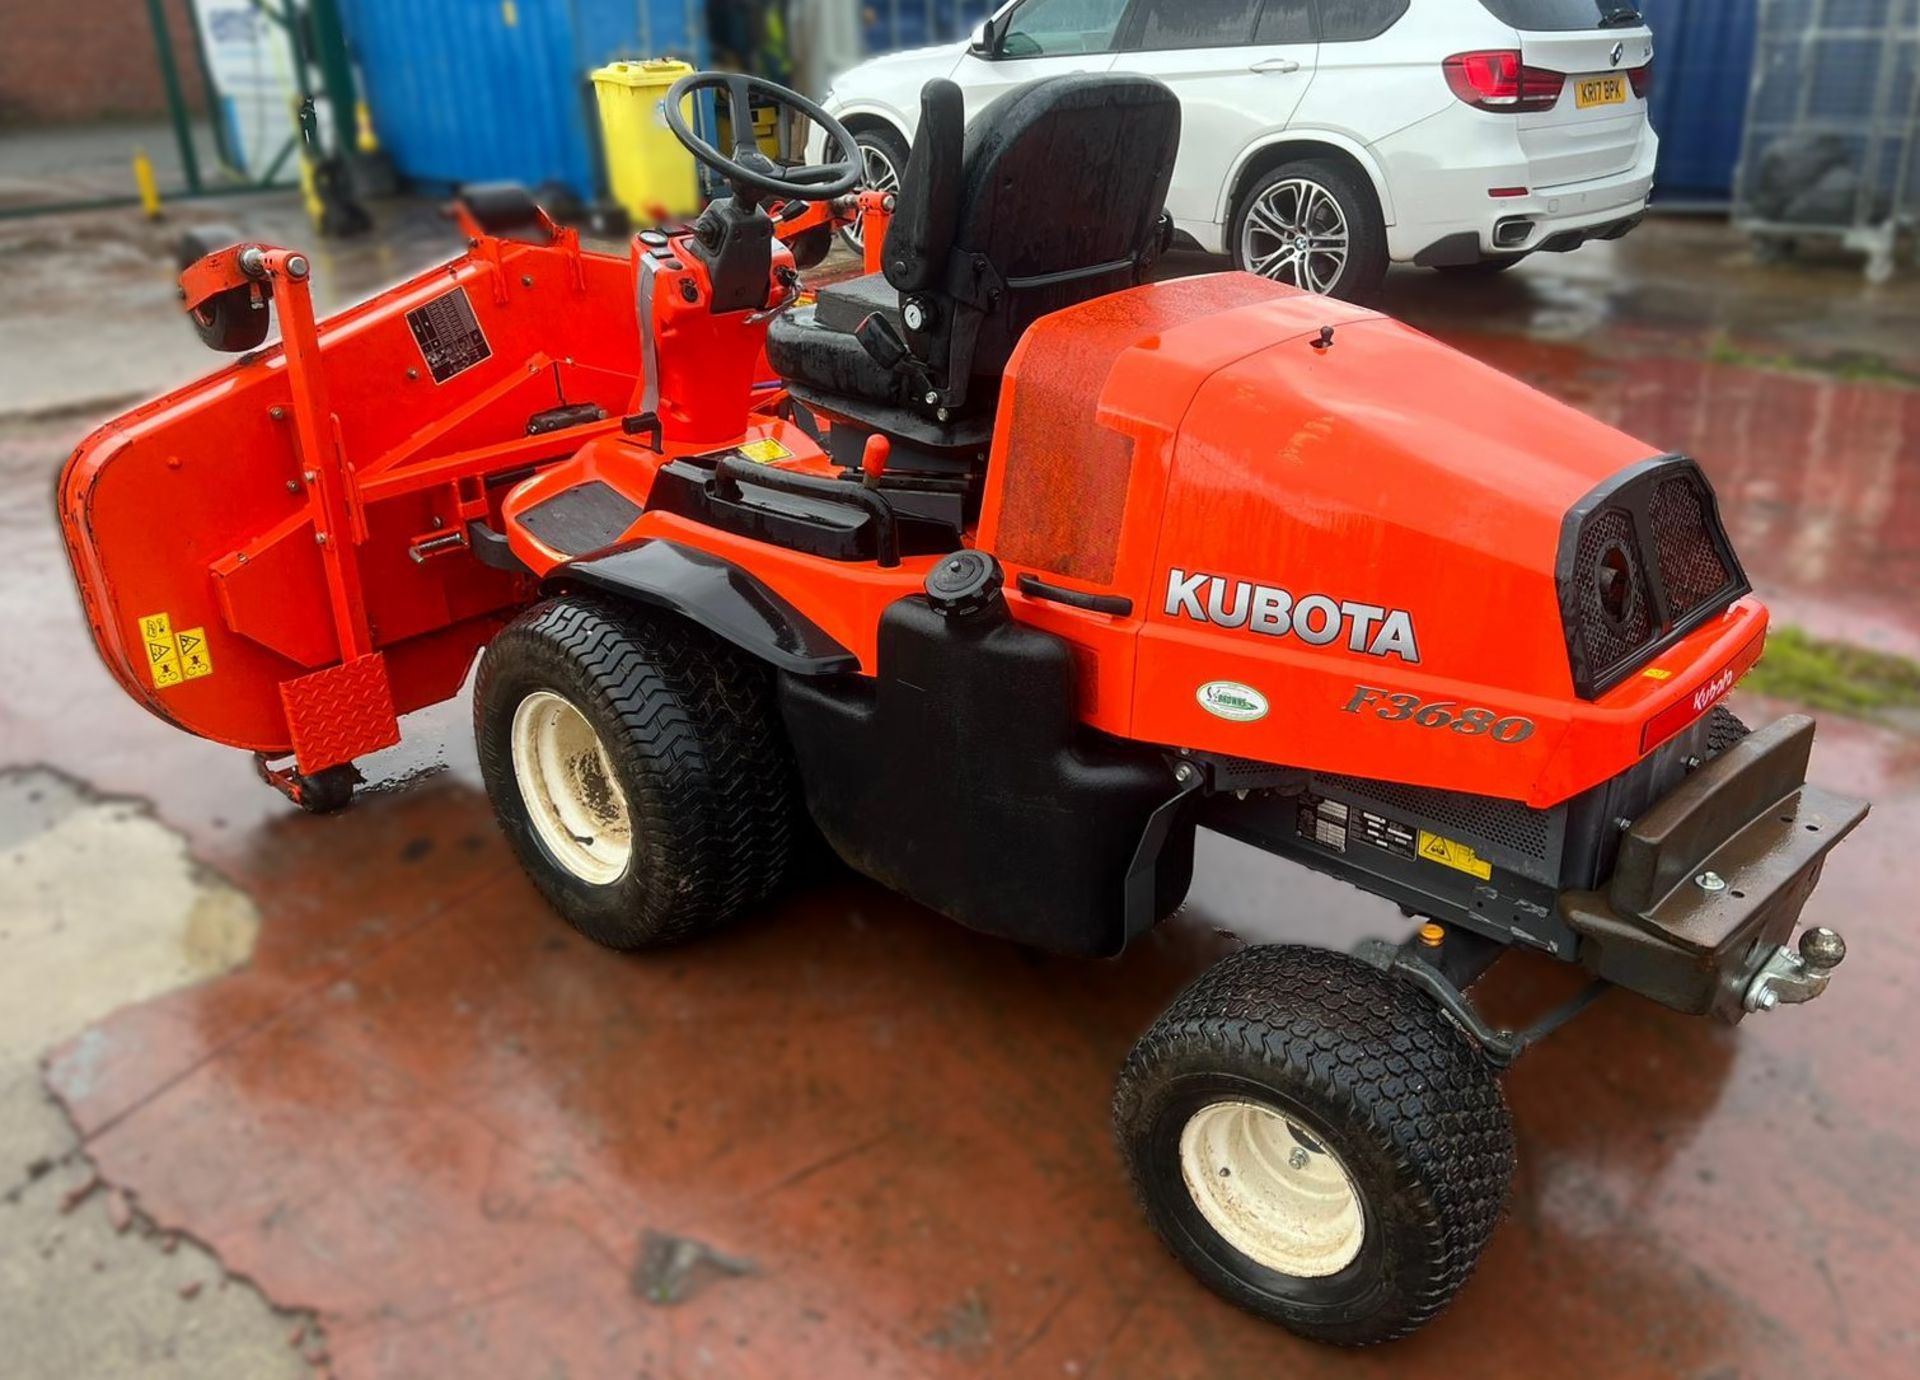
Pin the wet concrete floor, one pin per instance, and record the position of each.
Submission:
(849, 1139)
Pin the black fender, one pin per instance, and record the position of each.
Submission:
(727, 601)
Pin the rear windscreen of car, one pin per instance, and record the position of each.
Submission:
(1539, 15)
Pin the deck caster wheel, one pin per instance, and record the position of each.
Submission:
(639, 768)
(811, 247)
(233, 321)
(324, 792)
(1316, 1142)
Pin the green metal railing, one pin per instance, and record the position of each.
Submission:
(321, 19)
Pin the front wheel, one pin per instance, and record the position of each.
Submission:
(1316, 1142)
(1316, 224)
(638, 766)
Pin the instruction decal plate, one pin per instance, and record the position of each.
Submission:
(449, 335)
(1455, 855)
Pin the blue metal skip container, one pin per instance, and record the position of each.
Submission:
(895, 24)
(489, 90)
(1702, 67)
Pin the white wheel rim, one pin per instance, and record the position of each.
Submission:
(876, 171)
(1295, 232)
(570, 791)
(1272, 1191)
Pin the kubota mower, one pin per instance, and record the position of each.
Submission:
(1004, 570)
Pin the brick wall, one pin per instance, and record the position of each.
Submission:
(89, 59)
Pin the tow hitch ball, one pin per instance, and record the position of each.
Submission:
(1787, 976)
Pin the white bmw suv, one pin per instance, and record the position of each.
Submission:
(1322, 139)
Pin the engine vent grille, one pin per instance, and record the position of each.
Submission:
(1644, 561)
(1682, 535)
(1615, 623)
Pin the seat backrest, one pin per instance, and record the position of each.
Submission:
(925, 211)
(1056, 196)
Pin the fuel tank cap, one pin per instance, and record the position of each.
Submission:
(964, 583)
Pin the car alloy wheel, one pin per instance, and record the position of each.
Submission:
(878, 173)
(1294, 232)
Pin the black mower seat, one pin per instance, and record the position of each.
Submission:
(1055, 196)
(815, 346)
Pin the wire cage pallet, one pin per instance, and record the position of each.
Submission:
(1832, 142)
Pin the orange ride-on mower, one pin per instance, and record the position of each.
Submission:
(1008, 570)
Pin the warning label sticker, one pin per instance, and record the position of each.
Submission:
(765, 452)
(194, 661)
(1455, 855)
(448, 334)
(163, 653)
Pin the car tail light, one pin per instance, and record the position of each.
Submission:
(1642, 79)
(1498, 80)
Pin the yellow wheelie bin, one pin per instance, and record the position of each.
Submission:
(647, 169)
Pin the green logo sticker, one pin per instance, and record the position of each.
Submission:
(1229, 699)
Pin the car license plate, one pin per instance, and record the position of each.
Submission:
(1591, 91)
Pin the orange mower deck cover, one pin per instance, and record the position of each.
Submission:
(192, 533)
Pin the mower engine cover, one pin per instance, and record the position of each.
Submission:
(1354, 549)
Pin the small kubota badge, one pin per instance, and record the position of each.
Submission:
(1316, 619)
(1688, 708)
(1229, 699)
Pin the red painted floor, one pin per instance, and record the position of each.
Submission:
(434, 1115)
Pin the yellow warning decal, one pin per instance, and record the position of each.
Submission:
(163, 653)
(765, 452)
(1455, 855)
(194, 659)
(1657, 673)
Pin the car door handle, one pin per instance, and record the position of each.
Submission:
(1273, 66)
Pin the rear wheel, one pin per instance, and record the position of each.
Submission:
(1316, 1142)
(637, 766)
(883, 161)
(1316, 224)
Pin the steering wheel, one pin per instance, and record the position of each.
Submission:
(748, 169)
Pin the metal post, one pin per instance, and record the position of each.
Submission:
(223, 147)
(176, 102)
(336, 71)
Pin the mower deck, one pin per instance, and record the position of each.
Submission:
(304, 515)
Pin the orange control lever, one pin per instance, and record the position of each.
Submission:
(873, 460)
